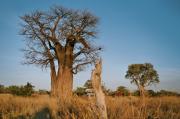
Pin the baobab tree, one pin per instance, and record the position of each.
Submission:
(142, 75)
(60, 39)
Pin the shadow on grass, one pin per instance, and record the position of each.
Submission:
(42, 114)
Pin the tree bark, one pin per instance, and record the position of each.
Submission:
(142, 91)
(64, 84)
(142, 102)
(53, 82)
(96, 83)
(53, 74)
(64, 80)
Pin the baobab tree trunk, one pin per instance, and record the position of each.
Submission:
(64, 84)
(64, 79)
(96, 83)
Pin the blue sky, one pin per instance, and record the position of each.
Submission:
(131, 31)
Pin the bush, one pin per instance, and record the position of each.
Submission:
(167, 93)
(26, 90)
(1, 88)
(122, 91)
(136, 93)
(43, 92)
(80, 91)
(15, 90)
(151, 93)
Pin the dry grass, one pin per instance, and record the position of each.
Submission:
(44, 107)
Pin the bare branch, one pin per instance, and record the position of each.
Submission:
(79, 67)
(50, 34)
(87, 51)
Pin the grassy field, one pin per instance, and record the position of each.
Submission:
(44, 107)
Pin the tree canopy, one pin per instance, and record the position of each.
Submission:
(53, 31)
(142, 74)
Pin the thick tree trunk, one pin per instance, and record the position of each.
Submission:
(64, 84)
(65, 75)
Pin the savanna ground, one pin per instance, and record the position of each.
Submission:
(45, 107)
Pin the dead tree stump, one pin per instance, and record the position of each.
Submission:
(96, 83)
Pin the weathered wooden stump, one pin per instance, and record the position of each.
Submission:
(96, 83)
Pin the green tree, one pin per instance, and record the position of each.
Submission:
(151, 93)
(136, 93)
(15, 90)
(43, 91)
(142, 75)
(88, 84)
(27, 90)
(167, 93)
(123, 90)
(60, 36)
(80, 91)
(2, 89)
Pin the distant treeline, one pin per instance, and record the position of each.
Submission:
(162, 93)
(125, 92)
(28, 90)
(23, 90)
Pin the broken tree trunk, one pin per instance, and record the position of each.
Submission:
(96, 83)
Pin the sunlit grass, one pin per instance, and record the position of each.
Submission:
(45, 107)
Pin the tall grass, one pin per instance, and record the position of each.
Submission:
(45, 107)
